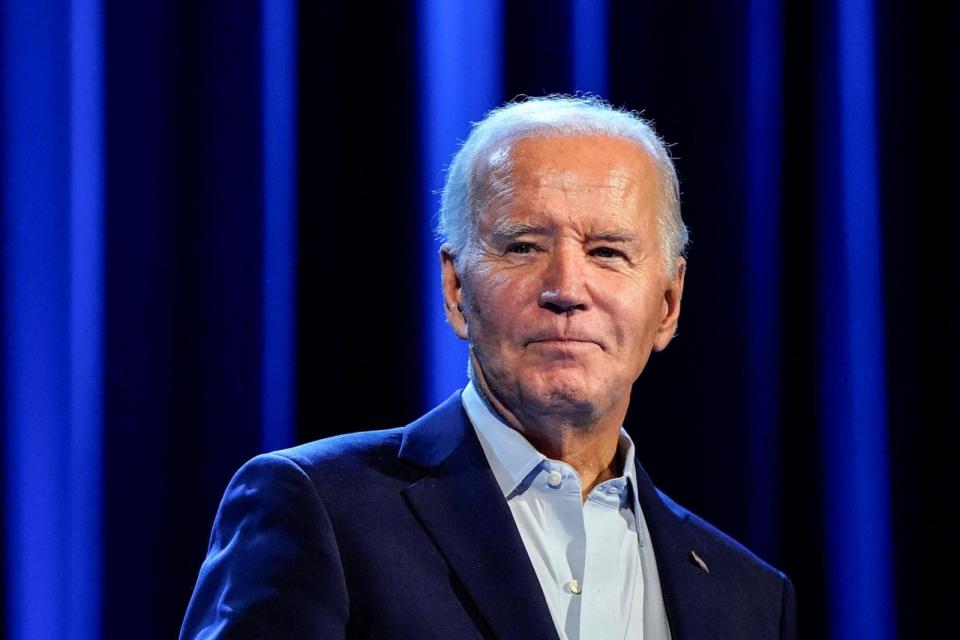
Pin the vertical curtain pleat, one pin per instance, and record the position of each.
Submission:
(217, 236)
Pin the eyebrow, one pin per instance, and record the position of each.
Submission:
(613, 236)
(510, 230)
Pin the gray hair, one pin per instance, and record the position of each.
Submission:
(553, 115)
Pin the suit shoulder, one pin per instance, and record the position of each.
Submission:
(351, 448)
(722, 545)
(359, 459)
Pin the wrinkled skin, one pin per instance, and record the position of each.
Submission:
(563, 294)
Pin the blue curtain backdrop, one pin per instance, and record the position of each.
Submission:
(216, 239)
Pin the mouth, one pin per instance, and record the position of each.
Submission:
(565, 341)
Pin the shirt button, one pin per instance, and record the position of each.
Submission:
(554, 478)
(574, 586)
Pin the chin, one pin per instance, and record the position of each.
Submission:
(566, 395)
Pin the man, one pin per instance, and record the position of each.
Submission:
(515, 509)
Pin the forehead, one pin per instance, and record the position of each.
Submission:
(578, 173)
(596, 155)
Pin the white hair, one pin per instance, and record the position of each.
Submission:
(553, 115)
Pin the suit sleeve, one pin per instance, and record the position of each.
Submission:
(272, 568)
(788, 612)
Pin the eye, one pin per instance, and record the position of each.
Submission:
(521, 247)
(606, 252)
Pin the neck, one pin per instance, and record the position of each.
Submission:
(590, 448)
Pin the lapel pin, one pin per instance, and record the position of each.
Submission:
(697, 560)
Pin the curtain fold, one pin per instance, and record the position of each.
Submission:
(217, 239)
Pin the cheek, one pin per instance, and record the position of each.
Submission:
(638, 321)
(500, 295)
(487, 306)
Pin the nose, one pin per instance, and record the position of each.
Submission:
(563, 283)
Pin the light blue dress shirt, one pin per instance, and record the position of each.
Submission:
(593, 558)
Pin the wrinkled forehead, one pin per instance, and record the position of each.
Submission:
(576, 151)
(568, 163)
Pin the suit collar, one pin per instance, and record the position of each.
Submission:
(430, 440)
(463, 511)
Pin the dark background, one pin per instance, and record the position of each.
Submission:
(741, 431)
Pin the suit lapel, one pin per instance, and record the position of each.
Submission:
(460, 505)
(692, 594)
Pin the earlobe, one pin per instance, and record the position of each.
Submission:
(452, 293)
(672, 296)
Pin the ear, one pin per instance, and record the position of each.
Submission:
(452, 293)
(671, 307)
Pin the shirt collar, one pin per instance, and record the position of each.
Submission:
(512, 457)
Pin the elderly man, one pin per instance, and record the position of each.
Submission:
(515, 509)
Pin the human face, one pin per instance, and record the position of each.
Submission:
(563, 292)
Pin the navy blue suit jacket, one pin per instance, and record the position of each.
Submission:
(405, 533)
